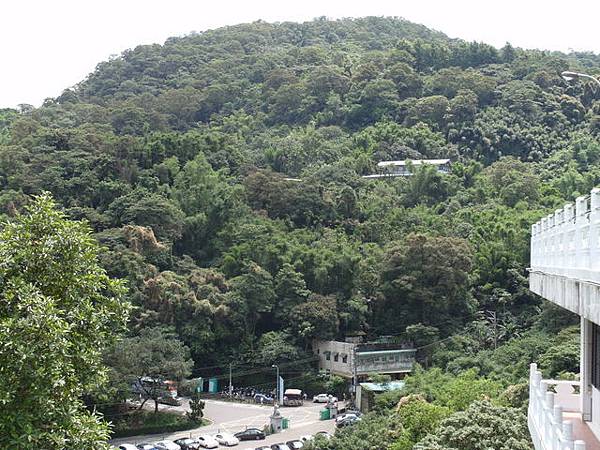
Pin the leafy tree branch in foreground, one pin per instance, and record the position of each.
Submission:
(58, 312)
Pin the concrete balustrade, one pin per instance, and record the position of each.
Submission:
(565, 269)
(549, 430)
(566, 242)
(565, 256)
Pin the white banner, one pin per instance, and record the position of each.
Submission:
(281, 390)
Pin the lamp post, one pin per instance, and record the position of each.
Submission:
(275, 366)
(230, 382)
(570, 76)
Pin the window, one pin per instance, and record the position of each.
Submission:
(328, 356)
(336, 357)
(596, 356)
(345, 359)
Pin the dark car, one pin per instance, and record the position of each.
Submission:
(250, 434)
(295, 445)
(188, 444)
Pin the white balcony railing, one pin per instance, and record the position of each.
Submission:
(548, 401)
(567, 242)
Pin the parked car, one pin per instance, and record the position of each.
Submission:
(280, 446)
(323, 398)
(188, 443)
(167, 445)
(307, 438)
(250, 434)
(207, 441)
(127, 447)
(341, 417)
(356, 412)
(263, 399)
(227, 439)
(264, 447)
(146, 446)
(324, 434)
(168, 400)
(295, 445)
(346, 421)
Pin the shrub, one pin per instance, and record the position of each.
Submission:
(146, 422)
(481, 427)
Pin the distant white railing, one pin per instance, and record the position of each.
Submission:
(567, 242)
(545, 414)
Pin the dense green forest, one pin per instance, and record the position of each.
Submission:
(222, 174)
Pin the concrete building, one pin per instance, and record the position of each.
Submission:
(403, 168)
(565, 269)
(350, 358)
(366, 393)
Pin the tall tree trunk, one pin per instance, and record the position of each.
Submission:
(155, 405)
(143, 403)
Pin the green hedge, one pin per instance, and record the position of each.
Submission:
(144, 422)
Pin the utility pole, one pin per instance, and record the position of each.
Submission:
(354, 374)
(494, 319)
(230, 382)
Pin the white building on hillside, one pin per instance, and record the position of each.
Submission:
(350, 359)
(565, 269)
(403, 168)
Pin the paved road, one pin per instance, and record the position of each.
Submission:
(234, 417)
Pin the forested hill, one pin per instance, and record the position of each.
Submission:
(180, 156)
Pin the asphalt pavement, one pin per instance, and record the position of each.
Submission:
(233, 417)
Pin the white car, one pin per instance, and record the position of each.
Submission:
(307, 438)
(167, 445)
(127, 447)
(323, 434)
(341, 417)
(280, 446)
(207, 441)
(323, 398)
(227, 439)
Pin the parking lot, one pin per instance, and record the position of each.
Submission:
(234, 417)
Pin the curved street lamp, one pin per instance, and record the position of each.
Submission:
(570, 76)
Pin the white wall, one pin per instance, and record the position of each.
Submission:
(580, 297)
(339, 368)
(595, 423)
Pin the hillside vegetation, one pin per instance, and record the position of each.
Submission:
(181, 157)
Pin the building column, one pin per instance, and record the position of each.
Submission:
(586, 369)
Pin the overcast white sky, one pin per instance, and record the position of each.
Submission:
(48, 45)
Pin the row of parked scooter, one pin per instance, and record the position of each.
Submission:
(250, 395)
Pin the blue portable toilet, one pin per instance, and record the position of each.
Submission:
(213, 385)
